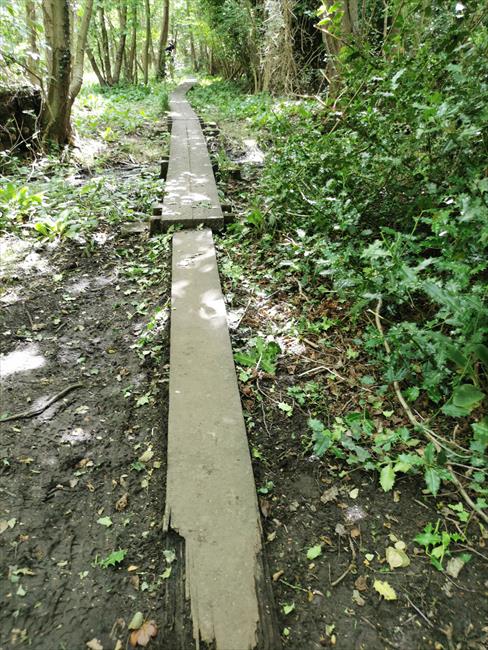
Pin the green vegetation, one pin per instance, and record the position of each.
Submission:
(376, 198)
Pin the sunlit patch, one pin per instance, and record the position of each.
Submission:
(17, 256)
(253, 153)
(75, 436)
(10, 298)
(77, 287)
(22, 360)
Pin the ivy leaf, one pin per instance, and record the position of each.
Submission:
(387, 478)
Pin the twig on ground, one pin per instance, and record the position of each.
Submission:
(243, 314)
(430, 435)
(40, 409)
(420, 613)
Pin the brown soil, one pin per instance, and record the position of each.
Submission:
(72, 319)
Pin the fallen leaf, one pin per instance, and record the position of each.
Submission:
(340, 530)
(132, 567)
(396, 558)
(385, 590)
(135, 581)
(288, 608)
(136, 621)
(265, 506)
(361, 583)
(146, 456)
(119, 645)
(355, 532)
(7, 523)
(314, 551)
(353, 494)
(277, 575)
(357, 598)
(454, 566)
(143, 635)
(94, 644)
(271, 536)
(330, 495)
(122, 503)
(169, 555)
(105, 521)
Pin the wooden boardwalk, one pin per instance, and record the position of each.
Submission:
(190, 196)
(211, 512)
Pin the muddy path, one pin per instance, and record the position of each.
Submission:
(85, 478)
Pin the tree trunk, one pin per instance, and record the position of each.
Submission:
(123, 37)
(146, 44)
(105, 47)
(57, 109)
(131, 59)
(93, 62)
(33, 55)
(79, 53)
(163, 39)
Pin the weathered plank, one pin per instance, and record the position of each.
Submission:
(191, 196)
(211, 497)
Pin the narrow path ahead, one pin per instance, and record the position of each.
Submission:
(211, 497)
(190, 192)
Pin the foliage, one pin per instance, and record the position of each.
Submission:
(381, 192)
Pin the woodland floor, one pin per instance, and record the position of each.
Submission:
(100, 452)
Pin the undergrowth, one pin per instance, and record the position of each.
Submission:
(378, 199)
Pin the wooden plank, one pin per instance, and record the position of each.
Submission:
(211, 496)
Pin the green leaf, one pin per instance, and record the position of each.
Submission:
(467, 396)
(105, 521)
(432, 480)
(387, 478)
(288, 608)
(314, 551)
(481, 353)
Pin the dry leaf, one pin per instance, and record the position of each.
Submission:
(119, 645)
(330, 495)
(121, 504)
(396, 558)
(355, 532)
(277, 575)
(135, 581)
(265, 507)
(361, 583)
(144, 634)
(454, 566)
(357, 598)
(385, 590)
(94, 644)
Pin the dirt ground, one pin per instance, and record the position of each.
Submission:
(85, 478)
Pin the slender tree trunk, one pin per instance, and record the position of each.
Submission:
(93, 62)
(146, 44)
(131, 59)
(105, 47)
(79, 53)
(123, 37)
(33, 56)
(163, 40)
(57, 110)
